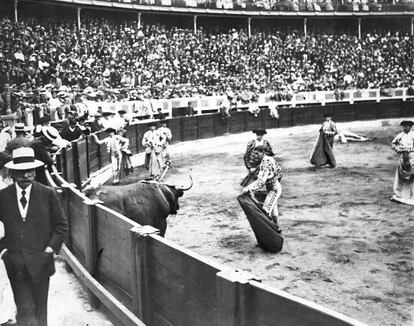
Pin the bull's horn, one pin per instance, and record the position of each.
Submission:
(191, 185)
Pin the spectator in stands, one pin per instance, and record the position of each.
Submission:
(5, 137)
(20, 140)
(72, 131)
(174, 62)
(96, 124)
(42, 147)
(5, 179)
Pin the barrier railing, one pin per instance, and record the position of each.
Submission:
(143, 278)
(211, 104)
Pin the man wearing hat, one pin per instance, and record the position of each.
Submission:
(164, 130)
(153, 141)
(96, 124)
(107, 121)
(269, 175)
(252, 157)
(35, 227)
(20, 140)
(403, 144)
(41, 146)
(114, 145)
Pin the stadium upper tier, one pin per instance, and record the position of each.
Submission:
(344, 6)
(167, 62)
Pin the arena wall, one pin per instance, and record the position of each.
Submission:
(143, 278)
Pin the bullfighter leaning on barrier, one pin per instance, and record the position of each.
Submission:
(35, 227)
(270, 174)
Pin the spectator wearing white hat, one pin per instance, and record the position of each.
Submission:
(42, 146)
(20, 140)
(35, 227)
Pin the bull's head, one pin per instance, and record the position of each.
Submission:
(173, 192)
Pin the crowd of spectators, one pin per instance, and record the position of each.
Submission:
(284, 5)
(53, 64)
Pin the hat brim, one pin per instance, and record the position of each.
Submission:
(407, 123)
(108, 130)
(24, 166)
(260, 132)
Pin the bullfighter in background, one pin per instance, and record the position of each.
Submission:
(322, 152)
(154, 143)
(253, 155)
(163, 129)
(403, 144)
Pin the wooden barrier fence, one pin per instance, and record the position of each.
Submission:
(143, 278)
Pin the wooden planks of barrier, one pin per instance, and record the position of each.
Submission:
(113, 251)
(221, 125)
(254, 122)
(262, 305)
(94, 155)
(175, 127)
(205, 126)
(189, 129)
(237, 122)
(131, 134)
(181, 284)
(83, 160)
(122, 313)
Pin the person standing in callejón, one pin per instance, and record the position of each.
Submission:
(322, 152)
(403, 144)
(114, 144)
(163, 129)
(253, 156)
(35, 228)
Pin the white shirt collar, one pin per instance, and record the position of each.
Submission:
(19, 190)
(28, 189)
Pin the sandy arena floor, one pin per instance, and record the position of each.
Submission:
(347, 246)
(68, 302)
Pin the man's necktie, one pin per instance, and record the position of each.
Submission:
(23, 200)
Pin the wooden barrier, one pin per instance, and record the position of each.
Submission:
(205, 126)
(112, 232)
(177, 286)
(83, 160)
(262, 305)
(94, 155)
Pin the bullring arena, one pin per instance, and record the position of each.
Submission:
(347, 246)
(214, 71)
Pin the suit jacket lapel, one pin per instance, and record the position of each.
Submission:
(34, 200)
(14, 207)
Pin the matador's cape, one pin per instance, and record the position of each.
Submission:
(264, 229)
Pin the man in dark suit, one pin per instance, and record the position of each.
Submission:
(35, 227)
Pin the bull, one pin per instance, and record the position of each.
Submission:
(147, 203)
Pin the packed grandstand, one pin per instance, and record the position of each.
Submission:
(111, 58)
